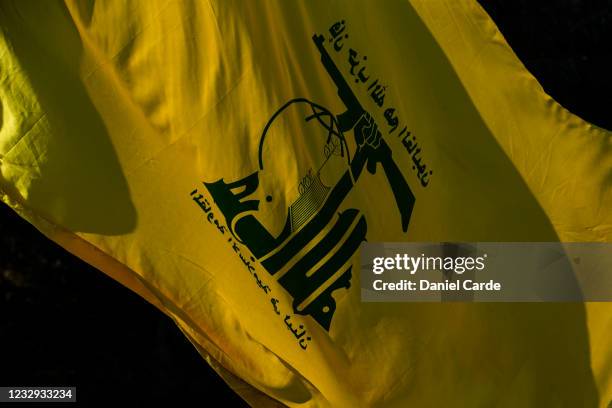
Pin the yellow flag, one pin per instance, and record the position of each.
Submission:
(225, 160)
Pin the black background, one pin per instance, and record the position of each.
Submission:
(64, 323)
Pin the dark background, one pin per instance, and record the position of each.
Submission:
(64, 323)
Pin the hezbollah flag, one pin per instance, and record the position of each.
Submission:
(225, 160)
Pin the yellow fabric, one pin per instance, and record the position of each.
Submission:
(115, 113)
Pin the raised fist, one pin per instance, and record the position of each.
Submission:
(366, 132)
(372, 148)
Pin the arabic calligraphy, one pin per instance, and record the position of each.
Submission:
(377, 92)
(249, 263)
(298, 333)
